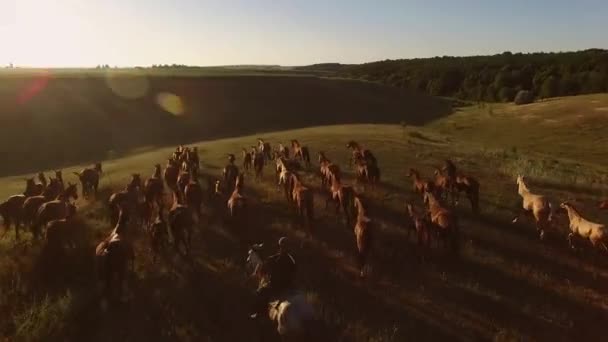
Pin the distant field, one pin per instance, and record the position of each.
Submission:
(506, 286)
(62, 118)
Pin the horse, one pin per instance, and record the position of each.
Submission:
(61, 232)
(230, 172)
(470, 186)
(450, 171)
(59, 177)
(327, 169)
(182, 181)
(247, 160)
(113, 254)
(538, 205)
(285, 180)
(171, 173)
(304, 201)
(258, 165)
(293, 315)
(363, 235)
(360, 154)
(420, 225)
(159, 234)
(283, 151)
(42, 179)
(11, 211)
(32, 204)
(301, 152)
(89, 179)
(596, 233)
(420, 185)
(343, 196)
(32, 189)
(367, 174)
(54, 210)
(444, 221)
(265, 149)
(180, 223)
(237, 202)
(154, 187)
(126, 200)
(193, 194)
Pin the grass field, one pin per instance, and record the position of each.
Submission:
(74, 117)
(505, 286)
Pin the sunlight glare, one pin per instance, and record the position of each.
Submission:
(130, 86)
(170, 103)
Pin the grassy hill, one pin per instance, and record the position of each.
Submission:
(505, 286)
(64, 117)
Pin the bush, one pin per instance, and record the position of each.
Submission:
(524, 97)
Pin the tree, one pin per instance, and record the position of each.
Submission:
(524, 97)
(549, 87)
(506, 94)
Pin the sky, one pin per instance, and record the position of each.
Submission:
(81, 33)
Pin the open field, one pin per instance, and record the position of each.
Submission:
(79, 117)
(505, 286)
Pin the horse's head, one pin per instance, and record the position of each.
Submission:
(98, 168)
(254, 258)
(71, 210)
(231, 158)
(520, 180)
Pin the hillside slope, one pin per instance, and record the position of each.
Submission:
(506, 285)
(58, 120)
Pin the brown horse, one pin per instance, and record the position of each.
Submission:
(237, 202)
(360, 154)
(32, 189)
(113, 254)
(420, 185)
(42, 179)
(159, 235)
(283, 151)
(258, 165)
(367, 174)
(59, 177)
(537, 205)
(60, 233)
(126, 200)
(229, 173)
(54, 210)
(180, 223)
(304, 200)
(363, 235)
(444, 221)
(247, 160)
(470, 186)
(154, 187)
(171, 173)
(343, 196)
(285, 180)
(420, 225)
(11, 211)
(327, 170)
(265, 149)
(193, 194)
(32, 204)
(449, 169)
(89, 179)
(301, 152)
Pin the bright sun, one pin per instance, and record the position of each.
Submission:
(46, 32)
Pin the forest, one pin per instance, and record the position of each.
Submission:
(495, 78)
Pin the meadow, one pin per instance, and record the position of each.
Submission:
(505, 285)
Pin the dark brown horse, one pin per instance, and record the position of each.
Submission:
(470, 186)
(112, 256)
(360, 154)
(180, 223)
(171, 173)
(193, 194)
(229, 174)
(89, 179)
(265, 149)
(32, 204)
(54, 210)
(258, 165)
(154, 187)
(125, 200)
(159, 235)
(247, 160)
(60, 233)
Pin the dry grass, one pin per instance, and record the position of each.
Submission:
(505, 286)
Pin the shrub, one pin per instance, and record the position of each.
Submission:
(524, 97)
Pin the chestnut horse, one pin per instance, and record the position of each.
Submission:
(54, 210)
(301, 152)
(363, 235)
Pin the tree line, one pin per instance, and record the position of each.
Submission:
(492, 78)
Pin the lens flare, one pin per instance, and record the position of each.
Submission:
(170, 103)
(130, 86)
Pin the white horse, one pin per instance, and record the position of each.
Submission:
(291, 313)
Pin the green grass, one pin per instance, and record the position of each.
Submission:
(506, 285)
